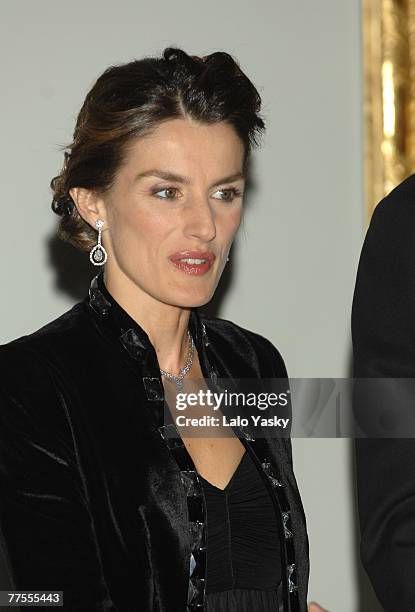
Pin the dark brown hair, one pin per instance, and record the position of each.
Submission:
(130, 100)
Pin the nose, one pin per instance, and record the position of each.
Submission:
(200, 221)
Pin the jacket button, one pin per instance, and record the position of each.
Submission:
(190, 482)
(246, 433)
(154, 388)
(197, 533)
(266, 466)
(286, 517)
(132, 343)
(192, 564)
(291, 585)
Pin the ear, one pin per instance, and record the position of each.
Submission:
(89, 204)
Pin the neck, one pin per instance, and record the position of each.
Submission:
(166, 325)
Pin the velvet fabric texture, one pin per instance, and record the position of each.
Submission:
(383, 332)
(95, 499)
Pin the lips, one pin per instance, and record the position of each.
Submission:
(208, 255)
(191, 267)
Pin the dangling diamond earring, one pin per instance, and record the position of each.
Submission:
(227, 259)
(98, 255)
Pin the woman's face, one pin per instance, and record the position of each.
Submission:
(150, 218)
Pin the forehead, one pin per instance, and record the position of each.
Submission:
(185, 146)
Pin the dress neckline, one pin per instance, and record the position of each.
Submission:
(231, 479)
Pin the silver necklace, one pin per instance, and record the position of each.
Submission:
(178, 379)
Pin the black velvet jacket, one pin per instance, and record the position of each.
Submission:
(96, 500)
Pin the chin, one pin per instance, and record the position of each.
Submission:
(192, 300)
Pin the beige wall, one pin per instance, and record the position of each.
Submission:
(292, 267)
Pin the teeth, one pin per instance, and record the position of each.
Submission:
(193, 261)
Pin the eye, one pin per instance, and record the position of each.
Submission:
(232, 193)
(236, 193)
(165, 189)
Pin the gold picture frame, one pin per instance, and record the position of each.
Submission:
(388, 96)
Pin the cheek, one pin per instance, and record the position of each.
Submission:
(137, 230)
(230, 223)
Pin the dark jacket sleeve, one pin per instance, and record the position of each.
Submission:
(279, 372)
(272, 366)
(383, 333)
(47, 531)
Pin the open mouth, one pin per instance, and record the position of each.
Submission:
(193, 262)
(191, 265)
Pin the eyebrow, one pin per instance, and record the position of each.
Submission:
(171, 176)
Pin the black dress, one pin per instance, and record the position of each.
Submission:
(243, 548)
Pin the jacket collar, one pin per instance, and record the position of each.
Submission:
(124, 328)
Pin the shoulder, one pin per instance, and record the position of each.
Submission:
(65, 326)
(247, 343)
(383, 305)
(34, 421)
(33, 369)
(392, 223)
(26, 357)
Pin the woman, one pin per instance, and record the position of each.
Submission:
(97, 500)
